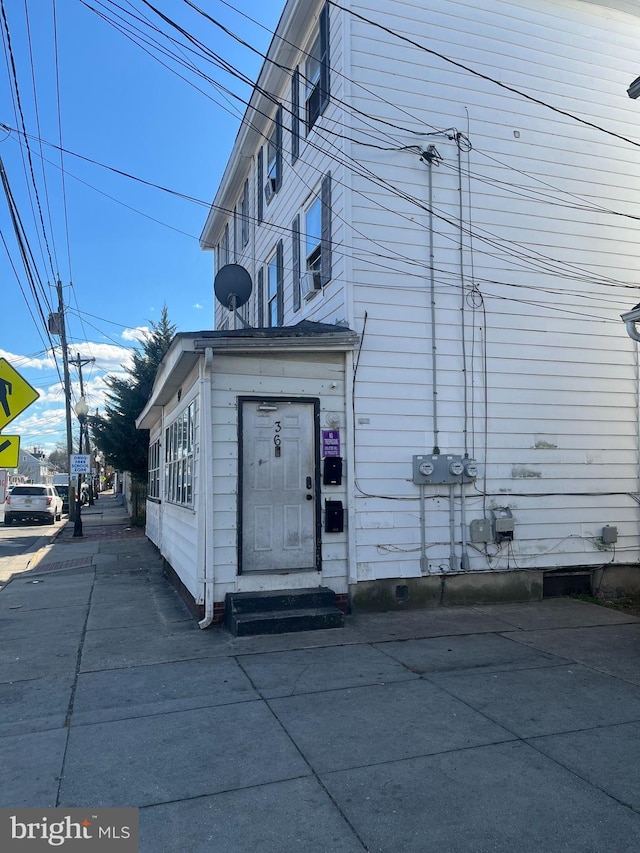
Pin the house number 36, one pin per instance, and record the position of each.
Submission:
(276, 438)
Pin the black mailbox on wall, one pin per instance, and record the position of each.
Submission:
(333, 517)
(332, 471)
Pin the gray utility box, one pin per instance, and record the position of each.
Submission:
(480, 529)
(438, 468)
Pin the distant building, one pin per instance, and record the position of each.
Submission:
(33, 468)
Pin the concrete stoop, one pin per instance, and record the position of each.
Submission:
(282, 611)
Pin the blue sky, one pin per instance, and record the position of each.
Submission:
(121, 249)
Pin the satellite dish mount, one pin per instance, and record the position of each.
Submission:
(232, 287)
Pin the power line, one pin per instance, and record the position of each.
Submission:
(59, 111)
(205, 203)
(482, 76)
(521, 252)
(281, 230)
(18, 101)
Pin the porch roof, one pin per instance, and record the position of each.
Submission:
(188, 347)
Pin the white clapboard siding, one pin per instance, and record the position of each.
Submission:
(180, 542)
(548, 361)
(312, 375)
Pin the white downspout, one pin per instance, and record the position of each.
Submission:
(206, 449)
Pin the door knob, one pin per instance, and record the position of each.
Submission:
(309, 482)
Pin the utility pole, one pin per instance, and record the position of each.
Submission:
(58, 327)
(80, 364)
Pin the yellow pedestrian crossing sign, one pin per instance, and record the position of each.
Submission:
(9, 451)
(15, 394)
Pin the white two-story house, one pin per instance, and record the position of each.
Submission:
(427, 395)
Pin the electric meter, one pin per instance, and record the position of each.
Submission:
(426, 468)
(471, 469)
(455, 468)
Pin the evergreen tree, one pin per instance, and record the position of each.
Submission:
(114, 433)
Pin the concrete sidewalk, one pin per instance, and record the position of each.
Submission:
(496, 728)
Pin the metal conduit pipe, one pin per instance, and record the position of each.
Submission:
(429, 156)
(424, 565)
(452, 529)
(464, 558)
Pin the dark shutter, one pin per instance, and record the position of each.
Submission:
(260, 188)
(325, 91)
(295, 115)
(278, 149)
(261, 297)
(280, 282)
(295, 245)
(326, 229)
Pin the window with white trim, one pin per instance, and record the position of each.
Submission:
(224, 254)
(153, 480)
(313, 236)
(244, 214)
(179, 457)
(272, 290)
(314, 265)
(273, 178)
(316, 72)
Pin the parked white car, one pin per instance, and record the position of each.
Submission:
(35, 501)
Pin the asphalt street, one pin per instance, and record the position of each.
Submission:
(20, 542)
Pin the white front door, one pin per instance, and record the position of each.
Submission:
(278, 508)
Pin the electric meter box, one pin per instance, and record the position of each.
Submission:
(503, 524)
(480, 530)
(439, 468)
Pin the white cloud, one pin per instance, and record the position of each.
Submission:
(109, 358)
(197, 305)
(137, 334)
(42, 422)
(20, 362)
(52, 394)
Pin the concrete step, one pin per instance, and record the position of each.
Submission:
(284, 621)
(279, 599)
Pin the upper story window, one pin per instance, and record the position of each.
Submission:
(244, 214)
(313, 237)
(295, 115)
(273, 165)
(275, 283)
(315, 266)
(316, 71)
(224, 253)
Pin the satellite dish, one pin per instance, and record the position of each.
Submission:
(232, 286)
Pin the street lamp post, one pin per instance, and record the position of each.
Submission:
(81, 409)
